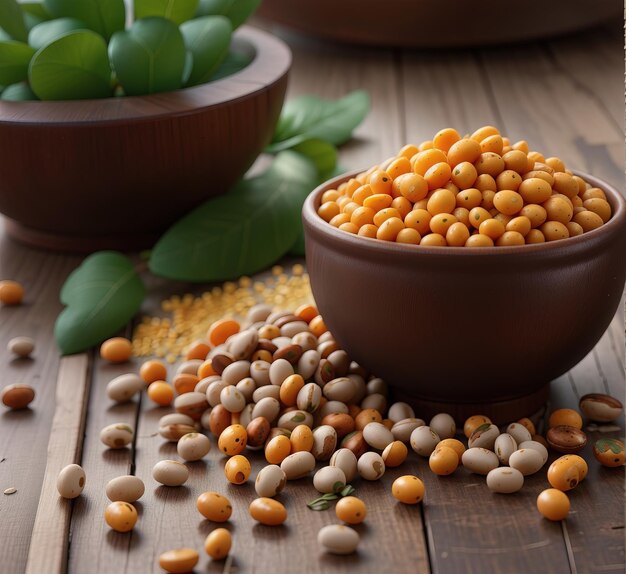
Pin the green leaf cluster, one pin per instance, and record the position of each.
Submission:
(322, 503)
(101, 297)
(79, 49)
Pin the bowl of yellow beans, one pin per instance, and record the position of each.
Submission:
(114, 173)
(467, 269)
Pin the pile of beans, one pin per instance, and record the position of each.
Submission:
(478, 190)
(280, 383)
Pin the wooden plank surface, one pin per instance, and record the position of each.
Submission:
(597, 516)
(331, 72)
(564, 97)
(49, 539)
(94, 547)
(24, 434)
(546, 104)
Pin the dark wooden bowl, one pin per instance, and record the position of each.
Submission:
(437, 23)
(468, 330)
(114, 173)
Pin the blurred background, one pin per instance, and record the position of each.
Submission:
(548, 72)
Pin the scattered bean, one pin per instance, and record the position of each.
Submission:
(179, 561)
(21, 346)
(218, 543)
(566, 439)
(17, 396)
(553, 504)
(125, 489)
(193, 446)
(121, 516)
(71, 481)
(214, 506)
(371, 466)
(123, 388)
(600, 408)
(329, 479)
(270, 481)
(116, 350)
(505, 480)
(408, 489)
(424, 440)
(268, 511)
(609, 452)
(117, 435)
(170, 472)
(338, 539)
(479, 460)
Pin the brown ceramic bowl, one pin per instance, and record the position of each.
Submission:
(467, 330)
(440, 23)
(115, 172)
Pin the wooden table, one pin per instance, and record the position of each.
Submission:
(564, 96)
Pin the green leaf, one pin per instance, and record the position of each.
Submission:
(18, 93)
(207, 39)
(298, 248)
(36, 9)
(320, 152)
(241, 232)
(102, 16)
(178, 11)
(72, 67)
(605, 444)
(318, 505)
(48, 31)
(233, 63)
(329, 496)
(310, 117)
(149, 57)
(237, 11)
(12, 20)
(338, 487)
(101, 296)
(348, 490)
(14, 60)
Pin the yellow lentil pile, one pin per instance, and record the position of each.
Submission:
(477, 190)
(191, 316)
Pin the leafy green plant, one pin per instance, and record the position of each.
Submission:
(53, 49)
(241, 232)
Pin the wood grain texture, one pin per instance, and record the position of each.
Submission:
(24, 434)
(324, 71)
(550, 107)
(597, 516)
(94, 547)
(49, 540)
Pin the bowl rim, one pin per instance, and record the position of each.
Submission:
(271, 63)
(377, 246)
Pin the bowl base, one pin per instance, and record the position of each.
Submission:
(77, 243)
(500, 412)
